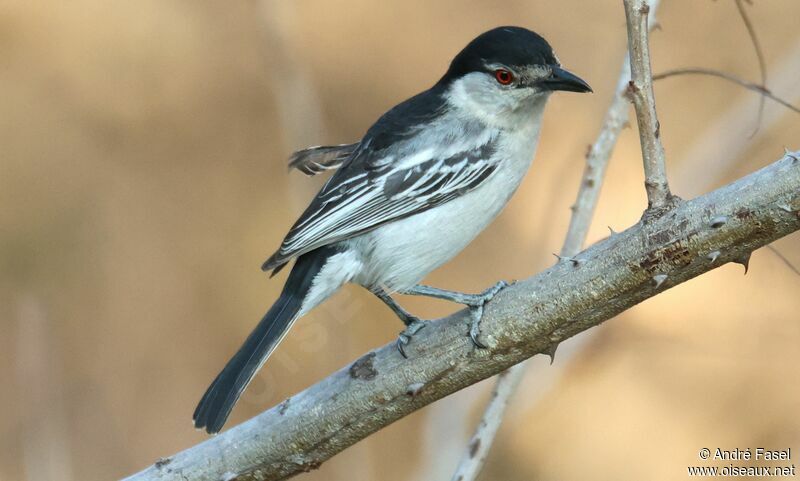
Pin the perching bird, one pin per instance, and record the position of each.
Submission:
(424, 181)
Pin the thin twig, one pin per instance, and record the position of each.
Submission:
(478, 448)
(719, 146)
(597, 158)
(761, 89)
(783, 258)
(640, 90)
(762, 64)
(583, 209)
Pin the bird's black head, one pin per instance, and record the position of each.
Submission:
(514, 57)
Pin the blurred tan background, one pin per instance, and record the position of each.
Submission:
(143, 181)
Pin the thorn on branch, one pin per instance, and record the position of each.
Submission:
(659, 279)
(474, 446)
(414, 389)
(650, 184)
(575, 262)
(713, 256)
(631, 92)
(551, 351)
(612, 232)
(719, 221)
(745, 261)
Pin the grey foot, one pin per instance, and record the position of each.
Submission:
(475, 302)
(405, 337)
(489, 293)
(476, 311)
(476, 314)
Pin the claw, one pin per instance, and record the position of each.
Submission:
(476, 311)
(489, 293)
(402, 341)
(405, 337)
(475, 302)
(475, 328)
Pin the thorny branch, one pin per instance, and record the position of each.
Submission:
(525, 319)
(597, 158)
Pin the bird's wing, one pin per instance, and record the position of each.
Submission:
(371, 190)
(313, 160)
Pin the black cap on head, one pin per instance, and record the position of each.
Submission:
(511, 46)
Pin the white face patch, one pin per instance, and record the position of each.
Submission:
(479, 95)
(537, 72)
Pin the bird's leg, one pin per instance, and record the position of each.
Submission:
(475, 302)
(413, 323)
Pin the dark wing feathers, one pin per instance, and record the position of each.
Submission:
(313, 160)
(373, 187)
(350, 205)
(464, 170)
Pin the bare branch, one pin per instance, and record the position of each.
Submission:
(761, 89)
(762, 65)
(597, 158)
(719, 146)
(640, 90)
(525, 319)
(783, 259)
(478, 448)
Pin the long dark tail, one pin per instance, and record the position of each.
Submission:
(221, 396)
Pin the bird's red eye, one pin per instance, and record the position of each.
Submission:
(503, 76)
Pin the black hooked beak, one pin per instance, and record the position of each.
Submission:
(561, 79)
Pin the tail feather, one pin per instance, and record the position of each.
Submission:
(216, 404)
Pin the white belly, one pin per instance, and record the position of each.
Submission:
(398, 255)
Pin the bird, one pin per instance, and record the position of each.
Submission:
(427, 177)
